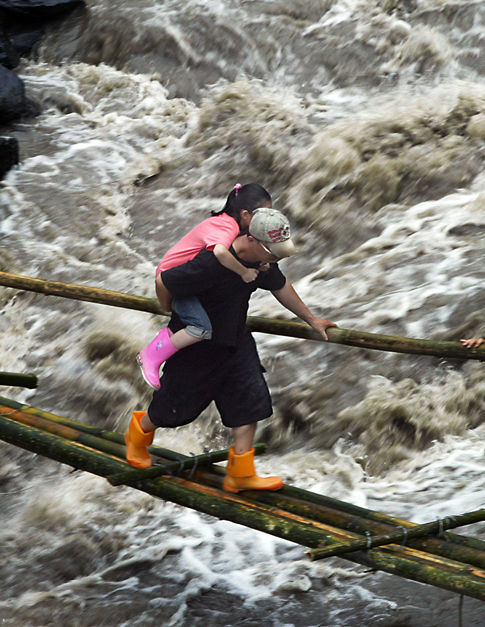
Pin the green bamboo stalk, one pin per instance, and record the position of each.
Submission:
(18, 379)
(213, 502)
(401, 535)
(126, 476)
(347, 337)
(112, 436)
(448, 575)
(80, 292)
(63, 431)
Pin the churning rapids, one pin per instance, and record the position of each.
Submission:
(366, 122)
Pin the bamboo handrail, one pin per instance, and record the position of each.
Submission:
(399, 535)
(348, 337)
(18, 379)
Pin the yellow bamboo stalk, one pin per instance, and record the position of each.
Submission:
(359, 339)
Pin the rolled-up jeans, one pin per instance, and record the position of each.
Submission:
(194, 316)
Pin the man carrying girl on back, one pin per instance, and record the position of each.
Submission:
(215, 234)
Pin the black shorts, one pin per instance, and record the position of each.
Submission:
(206, 372)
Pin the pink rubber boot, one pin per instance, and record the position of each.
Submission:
(152, 357)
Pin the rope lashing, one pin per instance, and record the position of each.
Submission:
(405, 535)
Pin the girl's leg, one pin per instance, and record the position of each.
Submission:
(165, 344)
(163, 295)
(193, 315)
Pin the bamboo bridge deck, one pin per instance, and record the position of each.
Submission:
(326, 526)
(427, 553)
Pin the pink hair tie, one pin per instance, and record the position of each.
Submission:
(237, 187)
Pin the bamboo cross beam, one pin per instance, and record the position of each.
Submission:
(399, 535)
(384, 522)
(348, 337)
(190, 463)
(18, 379)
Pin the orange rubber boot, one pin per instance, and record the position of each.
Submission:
(241, 474)
(137, 441)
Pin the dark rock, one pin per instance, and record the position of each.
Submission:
(9, 56)
(25, 35)
(9, 154)
(13, 103)
(39, 8)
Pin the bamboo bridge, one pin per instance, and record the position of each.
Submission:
(428, 553)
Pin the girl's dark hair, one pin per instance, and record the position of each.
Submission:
(249, 197)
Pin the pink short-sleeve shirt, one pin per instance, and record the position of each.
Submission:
(221, 229)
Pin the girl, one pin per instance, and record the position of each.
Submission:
(217, 234)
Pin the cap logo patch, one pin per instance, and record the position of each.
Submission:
(276, 235)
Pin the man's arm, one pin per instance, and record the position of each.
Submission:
(290, 299)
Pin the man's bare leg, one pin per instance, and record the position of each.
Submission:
(243, 438)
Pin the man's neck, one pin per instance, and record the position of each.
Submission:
(243, 250)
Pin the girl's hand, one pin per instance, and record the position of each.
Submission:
(473, 342)
(249, 275)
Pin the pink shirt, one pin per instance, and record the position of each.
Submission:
(222, 229)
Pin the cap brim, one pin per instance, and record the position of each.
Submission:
(282, 249)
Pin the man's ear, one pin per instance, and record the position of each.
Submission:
(244, 220)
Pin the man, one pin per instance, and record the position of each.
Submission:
(225, 369)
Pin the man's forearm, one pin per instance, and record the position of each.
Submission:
(288, 297)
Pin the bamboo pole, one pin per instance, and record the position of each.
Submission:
(63, 431)
(445, 549)
(359, 339)
(191, 463)
(80, 292)
(405, 562)
(434, 527)
(112, 436)
(18, 379)
(221, 505)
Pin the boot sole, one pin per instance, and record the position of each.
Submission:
(140, 363)
(237, 490)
